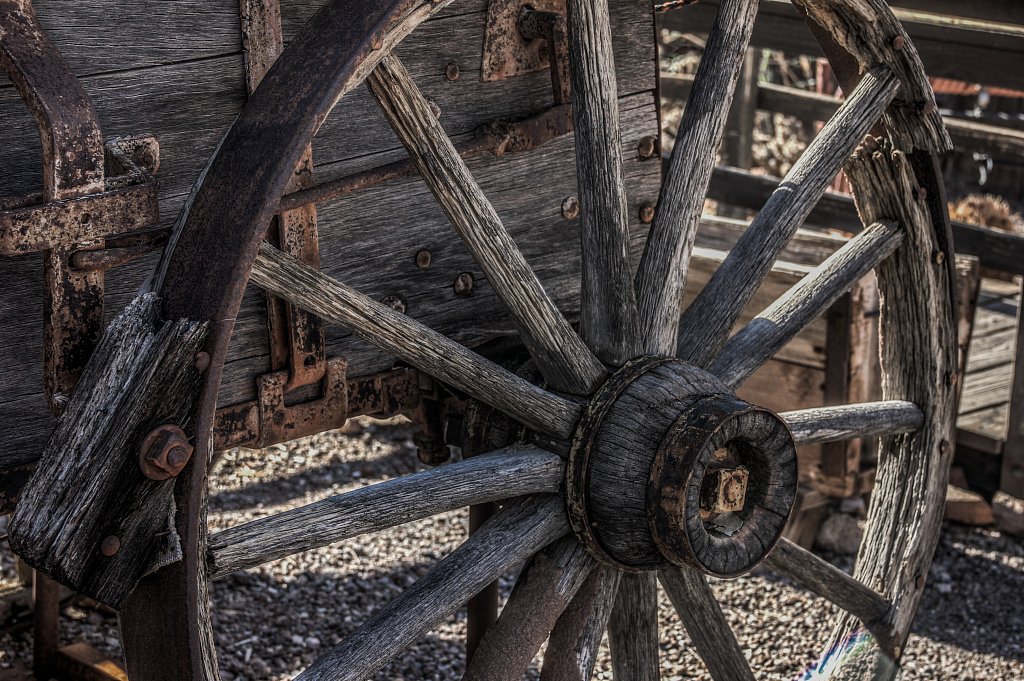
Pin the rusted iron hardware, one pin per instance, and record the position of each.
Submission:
(267, 420)
(90, 192)
(724, 490)
(507, 51)
(164, 452)
(550, 27)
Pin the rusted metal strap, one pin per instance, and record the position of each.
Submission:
(521, 37)
(267, 420)
(78, 206)
(296, 336)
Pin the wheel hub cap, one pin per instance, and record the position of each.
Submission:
(668, 467)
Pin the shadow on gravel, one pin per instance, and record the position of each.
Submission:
(975, 594)
(280, 490)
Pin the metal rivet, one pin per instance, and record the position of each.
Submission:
(940, 257)
(945, 447)
(451, 72)
(202, 361)
(464, 284)
(648, 147)
(394, 302)
(571, 208)
(423, 259)
(928, 108)
(899, 42)
(110, 545)
(647, 213)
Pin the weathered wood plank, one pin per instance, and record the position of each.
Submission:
(562, 358)
(510, 537)
(88, 517)
(706, 323)
(607, 296)
(709, 631)
(661, 278)
(810, 298)
(502, 474)
(400, 336)
(869, 419)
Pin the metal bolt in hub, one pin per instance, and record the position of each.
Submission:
(668, 468)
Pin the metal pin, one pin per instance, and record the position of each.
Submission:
(464, 284)
(570, 208)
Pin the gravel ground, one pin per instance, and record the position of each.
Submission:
(273, 621)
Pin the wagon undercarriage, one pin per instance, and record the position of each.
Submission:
(619, 452)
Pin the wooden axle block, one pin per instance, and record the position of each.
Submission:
(667, 467)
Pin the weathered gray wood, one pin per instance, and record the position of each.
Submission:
(403, 215)
(88, 490)
(710, 633)
(503, 474)
(707, 321)
(765, 335)
(560, 355)
(869, 419)
(572, 649)
(510, 537)
(633, 628)
(542, 592)
(607, 297)
(828, 581)
(662, 273)
(918, 355)
(407, 339)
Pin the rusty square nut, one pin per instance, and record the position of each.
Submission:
(724, 490)
(164, 453)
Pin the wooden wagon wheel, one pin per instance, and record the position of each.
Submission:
(641, 464)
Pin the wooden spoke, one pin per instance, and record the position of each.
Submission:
(706, 323)
(566, 363)
(393, 332)
(828, 581)
(572, 648)
(849, 422)
(633, 629)
(542, 592)
(607, 298)
(711, 635)
(809, 298)
(662, 273)
(514, 534)
(507, 473)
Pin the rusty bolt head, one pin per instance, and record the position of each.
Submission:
(464, 284)
(945, 447)
(647, 213)
(110, 545)
(940, 257)
(376, 42)
(899, 42)
(423, 259)
(394, 302)
(648, 148)
(451, 72)
(202, 361)
(571, 208)
(928, 108)
(164, 452)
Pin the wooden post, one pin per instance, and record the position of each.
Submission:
(738, 146)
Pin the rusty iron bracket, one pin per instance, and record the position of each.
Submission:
(507, 52)
(269, 420)
(79, 205)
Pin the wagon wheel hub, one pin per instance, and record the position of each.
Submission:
(668, 467)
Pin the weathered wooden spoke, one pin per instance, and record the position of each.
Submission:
(829, 582)
(608, 300)
(562, 357)
(446, 360)
(633, 628)
(765, 335)
(707, 322)
(542, 592)
(512, 472)
(518, 531)
(572, 649)
(662, 273)
(849, 422)
(709, 631)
